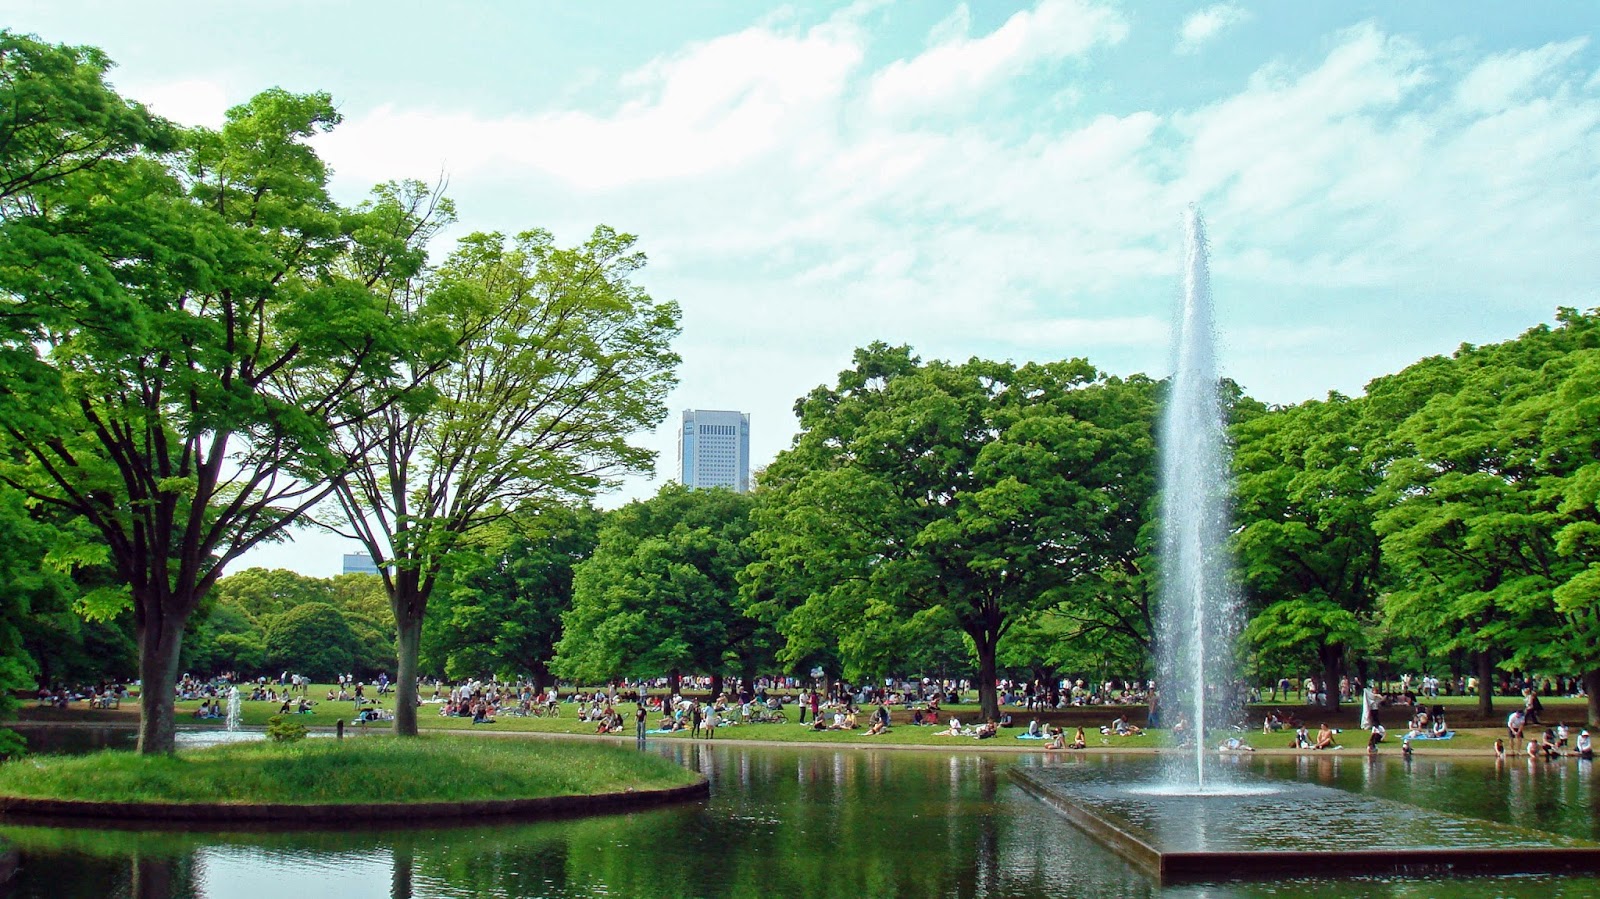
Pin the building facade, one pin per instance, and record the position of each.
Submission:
(714, 449)
(359, 563)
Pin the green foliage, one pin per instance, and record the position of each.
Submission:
(285, 730)
(499, 606)
(312, 639)
(191, 321)
(1490, 500)
(558, 359)
(660, 594)
(1305, 491)
(981, 493)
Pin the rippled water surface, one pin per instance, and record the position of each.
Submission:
(787, 822)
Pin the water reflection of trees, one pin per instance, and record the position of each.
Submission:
(784, 822)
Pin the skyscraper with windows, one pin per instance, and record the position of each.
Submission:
(714, 449)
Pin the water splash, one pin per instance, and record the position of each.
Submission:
(233, 709)
(1197, 620)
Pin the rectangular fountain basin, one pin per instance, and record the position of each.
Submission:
(1272, 828)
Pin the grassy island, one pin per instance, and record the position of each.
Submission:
(366, 770)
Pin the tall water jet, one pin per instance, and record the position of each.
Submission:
(1197, 621)
(233, 708)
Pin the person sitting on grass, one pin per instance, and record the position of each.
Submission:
(1235, 744)
(953, 731)
(1033, 728)
(878, 727)
(987, 730)
(1324, 737)
(1272, 723)
(1079, 741)
(1058, 738)
(1122, 727)
(480, 715)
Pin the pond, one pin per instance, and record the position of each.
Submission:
(789, 822)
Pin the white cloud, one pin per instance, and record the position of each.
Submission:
(1200, 27)
(1504, 78)
(189, 102)
(958, 69)
(711, 108)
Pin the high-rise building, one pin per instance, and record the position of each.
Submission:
(714, 449)
(359, 563)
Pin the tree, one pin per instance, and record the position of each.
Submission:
(560, 358)
(498, 609)
(977, 493)
(1307, 553)
(312, 639)
(188, 331)
(62, 117)
(660, 594)
(1488, 520)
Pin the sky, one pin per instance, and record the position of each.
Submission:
(1381, 181)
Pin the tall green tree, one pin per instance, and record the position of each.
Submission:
(976, 493)
(498, 609)
(1486, 512)
(188, 330)
(660, 594)
(560, 358)
(1308, 556)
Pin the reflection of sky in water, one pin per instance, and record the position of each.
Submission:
(259, 874)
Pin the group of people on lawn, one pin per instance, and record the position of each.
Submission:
(1553, 744)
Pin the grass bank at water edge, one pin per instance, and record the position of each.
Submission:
(372, 769)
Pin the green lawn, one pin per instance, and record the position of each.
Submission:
(435, 768)
(325, 714)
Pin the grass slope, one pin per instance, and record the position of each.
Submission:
(372, 769)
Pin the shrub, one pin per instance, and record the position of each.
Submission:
(285, 730)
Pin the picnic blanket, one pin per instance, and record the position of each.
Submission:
(1032, 737)
(1444, 736)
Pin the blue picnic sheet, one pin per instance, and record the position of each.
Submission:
(1032, 737)
(1445, 736)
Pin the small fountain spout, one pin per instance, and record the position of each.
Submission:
(233, 709)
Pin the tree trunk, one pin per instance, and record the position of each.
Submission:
(160, 640)
(1591, 689)
(1486, 683)
(154, 877)
(401, 879)
(541, 676)
(988, 699)
(408, 643)
(674, 684)
(1332, 654)
(716, 686)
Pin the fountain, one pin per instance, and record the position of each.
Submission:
(1194, 818)
(233, 709)
(1198, 615)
